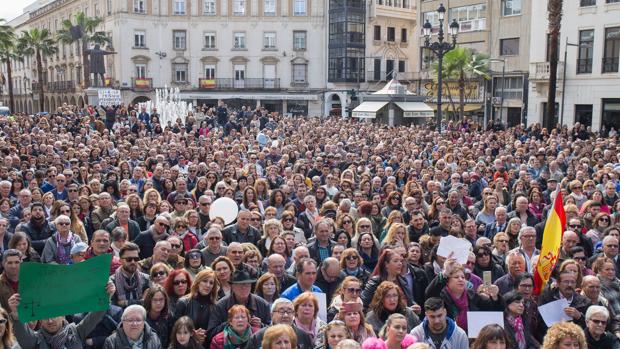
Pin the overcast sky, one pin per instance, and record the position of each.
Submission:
(13, 8)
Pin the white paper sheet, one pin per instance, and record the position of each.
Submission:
(476, 320)
(459, 248)
(322, 298)
(554, 311)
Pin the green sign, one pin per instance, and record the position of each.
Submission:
(50, 290)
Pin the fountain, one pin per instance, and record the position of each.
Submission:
(169, 106)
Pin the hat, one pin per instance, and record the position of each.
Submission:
(329, 213)
(552, 180)
(79, 248)
(180, 197)
(241, 277)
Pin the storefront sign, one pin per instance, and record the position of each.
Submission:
(473, 90)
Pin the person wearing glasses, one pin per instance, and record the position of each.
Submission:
(157, 232)
(282, 313)
(527, 246)
(177, 285)
(214, 247)
(133, 332)
(597, 337)
(130, 282)
(591, 289)
(58, 247)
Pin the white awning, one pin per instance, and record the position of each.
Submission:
(368, 109)
(416, 110)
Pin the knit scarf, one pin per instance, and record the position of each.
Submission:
(60, 339)
(462, 307)
(517, 325)
(234, 340)
(125, 287)
(63, 248)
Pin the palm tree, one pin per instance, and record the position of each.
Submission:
(7, 45)
(554, 9)
(462, 64)
(83, 32)
(38, 42)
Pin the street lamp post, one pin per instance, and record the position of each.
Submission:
(440, 48)
(564, 80)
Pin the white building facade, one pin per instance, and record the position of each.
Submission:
(592, 86)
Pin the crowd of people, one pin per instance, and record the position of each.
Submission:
(348, 210)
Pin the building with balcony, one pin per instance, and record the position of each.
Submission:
(499, 29)
(249, 52)
(590, 36)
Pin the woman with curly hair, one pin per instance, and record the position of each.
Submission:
(564, 335)
(389, 299)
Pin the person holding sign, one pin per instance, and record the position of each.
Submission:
(55, 332)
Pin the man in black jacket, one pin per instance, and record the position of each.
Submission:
(241, 288)
(578, 304)
(38, 228)
(329, 277)
(282, 312)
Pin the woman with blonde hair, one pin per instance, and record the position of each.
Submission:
(279, 337)
(199, 303)
(393, 218)
(563, 335)
(7, 339)
(397, 235)
(151, 195)
(136, 208)
(349, 291)
(512, 230)
(271, 229)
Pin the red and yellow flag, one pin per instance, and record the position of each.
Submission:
(552, 239)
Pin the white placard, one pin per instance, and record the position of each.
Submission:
(108, 97)
(553, 312)
(322, 298)
(476, 320)
(459, 248)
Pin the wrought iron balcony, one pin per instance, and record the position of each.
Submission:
(239, 84)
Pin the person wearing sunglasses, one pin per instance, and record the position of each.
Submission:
(146, 240)
(58, 247)
(130, 282)
(597, 318)
(349, 291)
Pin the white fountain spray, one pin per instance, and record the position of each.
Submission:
(169, 106)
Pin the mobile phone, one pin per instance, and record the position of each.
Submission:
(486, 277)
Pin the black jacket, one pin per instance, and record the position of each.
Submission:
(111, 320)
(313, 248)
(256, 340)
(476, 302)
(579, 302)
(328, 287)
(232, 234)
(607, 341)
(531, 342)
(38, 235)
(375, 281)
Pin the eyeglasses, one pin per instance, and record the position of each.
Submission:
(131, 259)
(63, 223)
(286, 312)
(351, 258)
(287, 220)
(179, 282)
(575, 225)
(612, 246)
(3, 321)
(528, 236)
(346, 222)
(605, 219)
(215, 238)
(194, 256)
(354, 290)
(163, 225)
(526, 285)
(365, 226)
(182, 226)
(72, 190)
(175, 245)
(579, 258)
(502, 240)
(599, 322)
(160, 273)
(205, 203)
(482, 254)
(133, 321)
(255, 219)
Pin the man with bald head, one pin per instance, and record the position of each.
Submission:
(276, 264)
(329, 277)
(242, 231)
(570, 239)
(161, 251)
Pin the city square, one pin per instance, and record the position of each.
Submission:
(399, 174)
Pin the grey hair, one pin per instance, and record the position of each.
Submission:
(597, 309)
(134, 308)
(523, 229)
(62, 216)
(279, 301)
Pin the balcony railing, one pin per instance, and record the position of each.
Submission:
(142, 84)
(239, 84)
(584, 66)
(610, 64)
(542, 70)
(55, 86)
(376, 76)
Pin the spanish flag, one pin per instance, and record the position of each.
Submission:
(552, 238)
